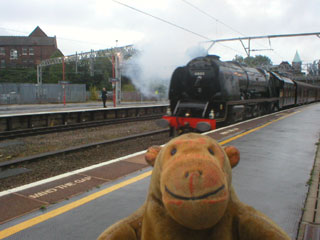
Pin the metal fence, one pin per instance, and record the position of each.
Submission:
(130, 97)
(27, 93)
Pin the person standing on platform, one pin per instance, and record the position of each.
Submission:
(104, 96)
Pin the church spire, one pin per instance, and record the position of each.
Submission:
(296, 58)
(297, 63)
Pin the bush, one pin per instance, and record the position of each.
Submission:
(93, 93)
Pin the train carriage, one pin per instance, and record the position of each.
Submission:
(305, 93)
(285, 90)
(318, 93)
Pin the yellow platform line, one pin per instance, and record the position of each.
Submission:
(255, 129)
(31, 222)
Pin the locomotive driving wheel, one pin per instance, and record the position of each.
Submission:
(257, 110)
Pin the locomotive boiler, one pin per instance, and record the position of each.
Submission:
(207, 90)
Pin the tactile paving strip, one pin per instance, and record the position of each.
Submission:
(15, 205)
(115, 170)
(62, 189)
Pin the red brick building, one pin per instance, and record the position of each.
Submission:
(26, 51)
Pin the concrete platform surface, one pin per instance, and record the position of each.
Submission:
(277, 156)
(36, 108)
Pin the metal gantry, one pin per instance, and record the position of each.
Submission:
(248, 49)
(105, 53)
(124, 51)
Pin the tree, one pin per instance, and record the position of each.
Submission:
(18, 75)
(102, 70)
(256, 61)
(238, 58)
(54, 73)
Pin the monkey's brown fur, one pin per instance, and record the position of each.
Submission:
(191, 198)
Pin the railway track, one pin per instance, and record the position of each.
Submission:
(11, 163)
(29, 169)
(45, 130)
(48, 164)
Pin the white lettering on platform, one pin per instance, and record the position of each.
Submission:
(229, 131)
(60, 187)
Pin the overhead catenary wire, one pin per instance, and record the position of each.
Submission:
(145, 13)
(210, 16)
(216, 20)
(162, 20)
(224, 24)
(171, 23)
(165, 21)
(228, 26)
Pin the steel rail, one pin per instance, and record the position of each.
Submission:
(74, 126)
(41, 156)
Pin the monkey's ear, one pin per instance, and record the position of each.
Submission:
(152, 154)
(233, 155)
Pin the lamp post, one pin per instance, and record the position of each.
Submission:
(113, 82)
(116, 79)
(63, 80)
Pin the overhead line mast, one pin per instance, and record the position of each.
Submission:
(248, 49)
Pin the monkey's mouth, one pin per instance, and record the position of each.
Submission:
(204, 196)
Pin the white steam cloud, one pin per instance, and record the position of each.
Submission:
(150, 70)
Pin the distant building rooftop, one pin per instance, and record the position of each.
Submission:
(26, 51)
(37, 37)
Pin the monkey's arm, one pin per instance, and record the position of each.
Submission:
(128, 228)
(254, 225)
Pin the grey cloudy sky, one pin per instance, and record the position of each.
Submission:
(97, 24)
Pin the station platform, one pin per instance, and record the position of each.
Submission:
(37, 108)
(277, 156)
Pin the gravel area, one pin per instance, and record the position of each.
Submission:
(27, 146)
(53, 166)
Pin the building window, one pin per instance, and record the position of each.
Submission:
(2, 51)
(24, 51)
(13, 54)
(31, 52)
(3, 63)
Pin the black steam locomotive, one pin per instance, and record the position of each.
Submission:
(207, 91)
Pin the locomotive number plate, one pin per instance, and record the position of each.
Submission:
(199, 73)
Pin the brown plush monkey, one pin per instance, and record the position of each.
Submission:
(191, 197)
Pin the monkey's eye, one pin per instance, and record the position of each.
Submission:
(173, 151)
(211, 151)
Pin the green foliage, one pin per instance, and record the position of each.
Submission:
(128, 87)
(125, 80)
(18, 75)
(79, 73)
(93, 93)
(54, 74)
(43, 208)
(160, 90)
(257, 61)
(238, 58)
